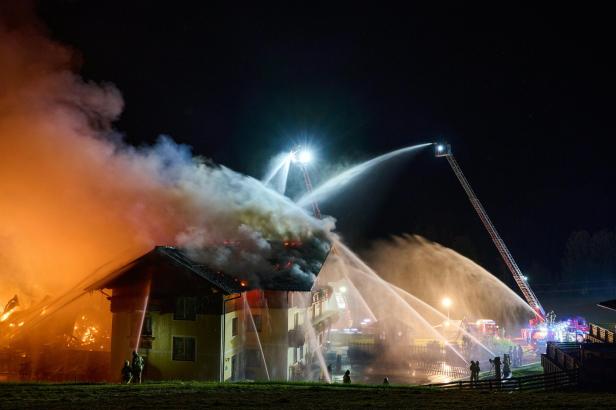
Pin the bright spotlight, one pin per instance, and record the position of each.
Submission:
(446, 302)
(440, 148)
(304, 156)
(343, 289)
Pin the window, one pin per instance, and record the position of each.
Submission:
(146, 329)
(185, 309)
(145, 341)
(257, 320)
(294, 355)
(301, 352)
(184, 349)
(296, 321)
(234, 327)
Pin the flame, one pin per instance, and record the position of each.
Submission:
(89, 333)
(6, 315)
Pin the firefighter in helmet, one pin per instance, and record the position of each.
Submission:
(137, 367)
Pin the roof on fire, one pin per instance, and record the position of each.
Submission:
(281, 280)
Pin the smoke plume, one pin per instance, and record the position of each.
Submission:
(73, 196)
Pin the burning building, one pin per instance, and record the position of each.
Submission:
(192, 322)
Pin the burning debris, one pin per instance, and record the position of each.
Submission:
(89, 334)
(9, 308)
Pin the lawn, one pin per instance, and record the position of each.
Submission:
(174, 395)
(526, 370)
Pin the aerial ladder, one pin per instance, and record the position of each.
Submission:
(444, 150)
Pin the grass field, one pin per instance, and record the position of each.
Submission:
(181, 395)
(527, 370)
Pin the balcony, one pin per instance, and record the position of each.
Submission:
(601, 333)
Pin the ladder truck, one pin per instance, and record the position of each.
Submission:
(444, 150)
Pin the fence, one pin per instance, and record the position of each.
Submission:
(565, 355)
(548, 381)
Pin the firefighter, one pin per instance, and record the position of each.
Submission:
(346, 379)
(127, 373)
(506, 366)
(497, 368)
(137, 367)
(472, 369)
(477, 370)
(386, 381)
(520, 356)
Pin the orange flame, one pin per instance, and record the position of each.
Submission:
(6, 315)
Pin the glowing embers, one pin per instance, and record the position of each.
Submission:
(88, 334)
(292, 244)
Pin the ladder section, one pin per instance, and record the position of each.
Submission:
(528, 293)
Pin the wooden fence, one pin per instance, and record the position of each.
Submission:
(549, 381)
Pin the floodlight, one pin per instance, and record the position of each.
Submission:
(304, 156)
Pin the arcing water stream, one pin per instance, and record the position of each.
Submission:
(276, 177)
(340, 180)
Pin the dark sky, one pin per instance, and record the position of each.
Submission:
(524, 95)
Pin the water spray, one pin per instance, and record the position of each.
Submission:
(143, 312)
(345, 177)
(371, 274)
(256, 333)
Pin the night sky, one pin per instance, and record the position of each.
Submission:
(524, 95)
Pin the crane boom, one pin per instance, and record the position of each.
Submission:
(442, 150)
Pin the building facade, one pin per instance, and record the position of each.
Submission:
(194, 324)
